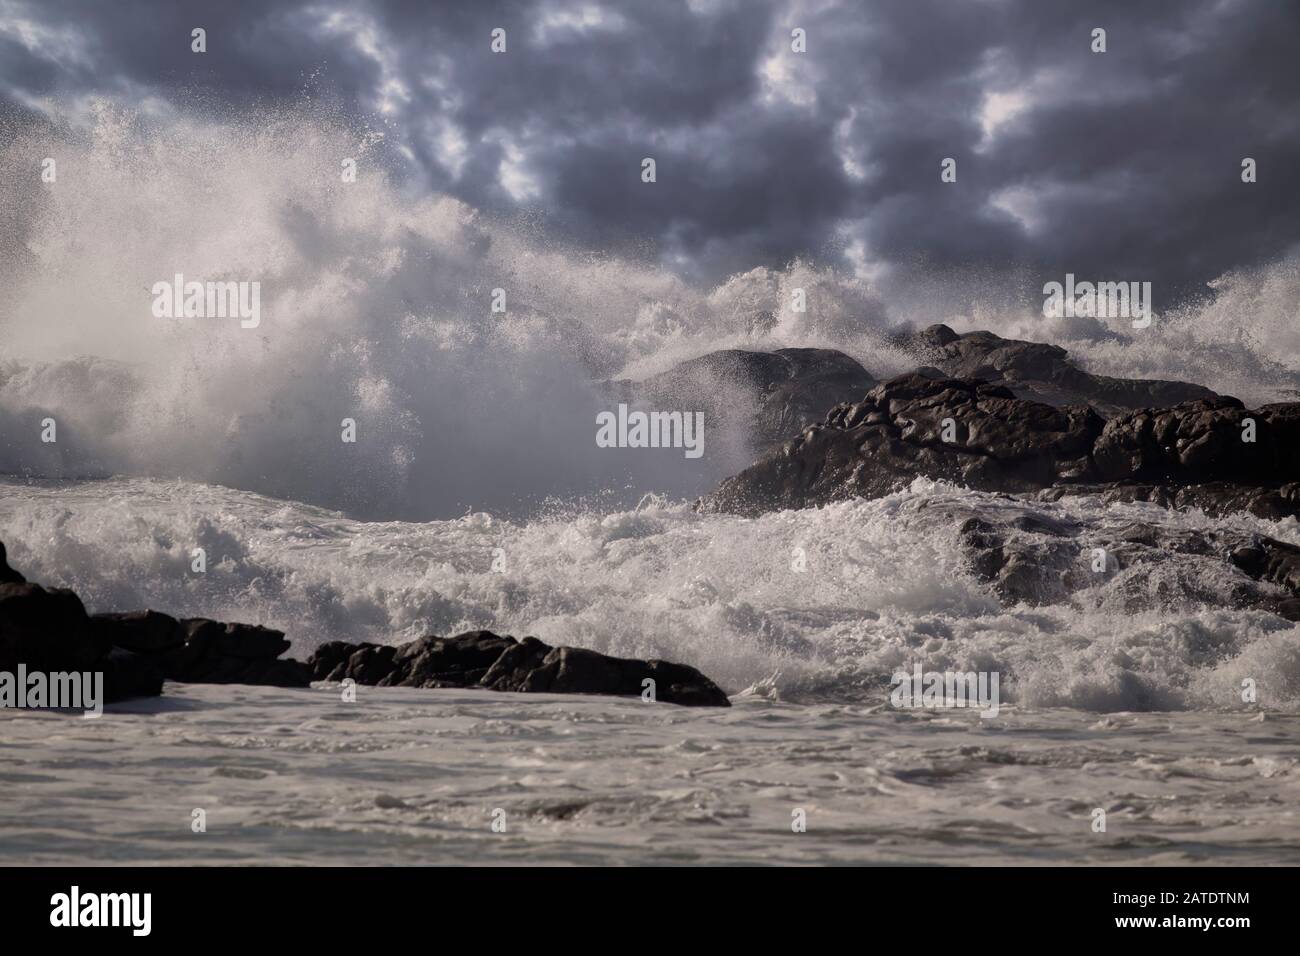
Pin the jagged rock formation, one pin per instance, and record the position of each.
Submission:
(1042, 373)
(201, 651)
(1031, 558)
(484, 659)
(770, 395)
(49, 630)
(981, 436)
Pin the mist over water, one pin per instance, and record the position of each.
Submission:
(376, 306)
(885, 587)
(476, 432)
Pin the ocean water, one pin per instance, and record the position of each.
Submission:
(475, 496)
(1135, 713)
(376, 306)
(414, 777)
(803, 606)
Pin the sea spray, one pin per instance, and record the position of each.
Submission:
(883, 587)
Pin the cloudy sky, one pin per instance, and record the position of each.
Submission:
(1122, 165)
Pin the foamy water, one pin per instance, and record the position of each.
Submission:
(884, 586)
(414, 777)
(376, 306)
(475, 445)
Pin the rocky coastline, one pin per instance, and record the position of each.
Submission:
(48, 630)
(979, 411)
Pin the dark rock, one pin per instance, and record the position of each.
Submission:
(1196, 443)
(485, 659)
(1266, 559)
(1041, 372)
(250, 641)
(896, 433)
(521, 667)
(460, 660)
(268, 672)
(47, 629)
(214, 652)
(330, 660)
(1289, 608)
(370, 664)
(767, 394)
(143, 631)
(7, 574)
(1188, 455)
(128, 675)
(576, 670)
(1021, 572)
(1054, 562)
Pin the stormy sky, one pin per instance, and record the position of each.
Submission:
(1120, 165)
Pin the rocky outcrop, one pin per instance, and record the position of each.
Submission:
(1214, 498)
(200, 651)
(1031, 558)
(49, 630)
(1200, 442)
(1040, 372)
(488, 660)
(981, 436)
(7, 574)
(769, 395)
(897, 433)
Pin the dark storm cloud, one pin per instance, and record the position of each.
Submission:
(1124, 164)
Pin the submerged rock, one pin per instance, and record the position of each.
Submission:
(1028, 558)
(485, 659)
(1216, 499)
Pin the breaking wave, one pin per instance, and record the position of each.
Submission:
(376, 306)
(881, 585)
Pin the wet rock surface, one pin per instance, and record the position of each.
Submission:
(1028, 558)
(981, 436)
(1041, 372)
(496, 662)
(48, 629)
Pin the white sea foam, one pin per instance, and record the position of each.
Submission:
(413, 777)
(885, 587)
(376, 306)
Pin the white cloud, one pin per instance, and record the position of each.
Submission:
(391, 92)
(999, 109)
(513, 171)
(1022, 203)
(59, 44)
(557, 23)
